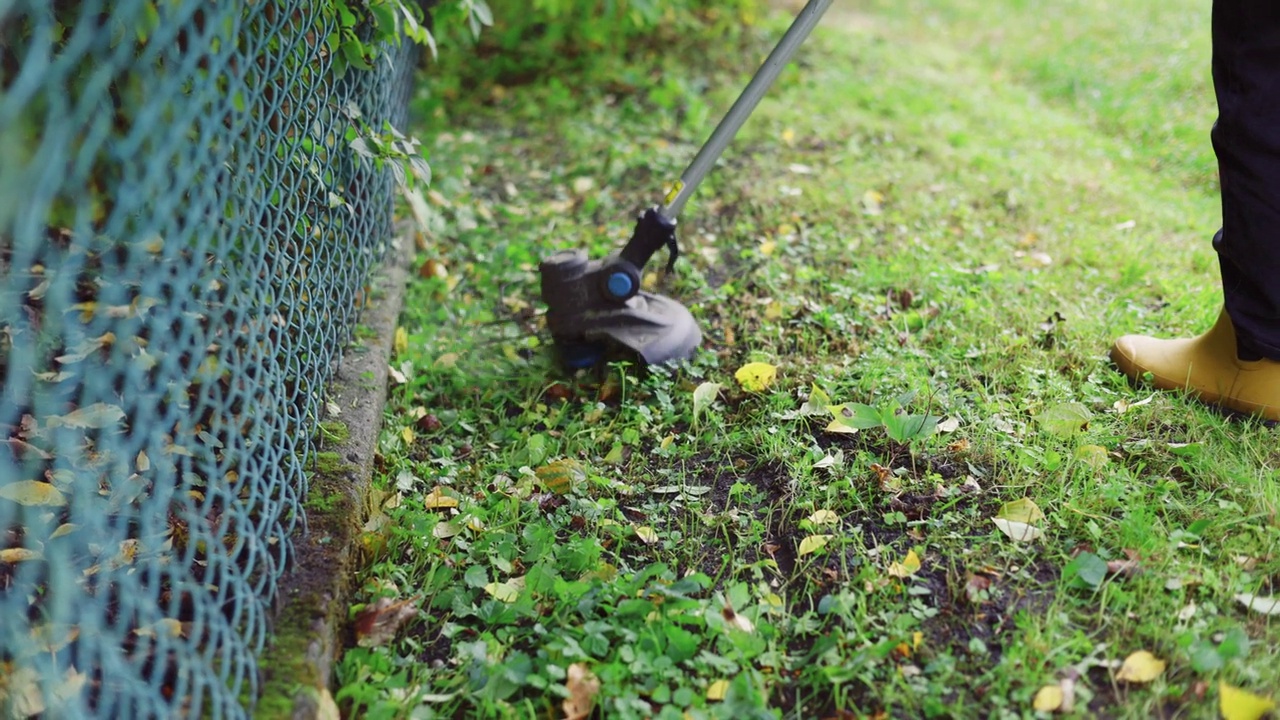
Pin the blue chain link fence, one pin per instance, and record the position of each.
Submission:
(189, 212)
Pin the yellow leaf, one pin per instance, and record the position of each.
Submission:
(1141, 667)
(767, 247)
(909, 566)
(1237, 704)
(437, 499)
(756, 376)
(401, 343)
(407, 435)
(17, 555)
(813, 544)
(32, 493)
(837, 426)
(170, 627)
(824, 517)
(560, 476)
(1048, 699)
(1024, 511)
(506, 592)
(789, 136)
(872, 202)
(717, 690)
(647, 535)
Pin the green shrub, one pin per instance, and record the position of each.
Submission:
(532, 39)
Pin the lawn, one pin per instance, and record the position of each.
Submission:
(946, 503)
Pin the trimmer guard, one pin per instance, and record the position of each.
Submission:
(584, 318)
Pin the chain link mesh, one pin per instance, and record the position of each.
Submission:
(185, 240)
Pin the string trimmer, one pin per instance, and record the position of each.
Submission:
(592, 304)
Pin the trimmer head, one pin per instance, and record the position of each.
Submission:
(592, 304)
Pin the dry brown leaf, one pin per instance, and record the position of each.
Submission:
(583, 686)
(378, 623)
(1127, 567)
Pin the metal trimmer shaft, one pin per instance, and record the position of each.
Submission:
(592, 304)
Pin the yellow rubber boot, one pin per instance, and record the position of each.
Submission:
(1207, 366)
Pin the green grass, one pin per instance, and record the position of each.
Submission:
(948, 208)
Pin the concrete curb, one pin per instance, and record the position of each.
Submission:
(307, 637)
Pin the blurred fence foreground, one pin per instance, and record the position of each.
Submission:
(185, 235)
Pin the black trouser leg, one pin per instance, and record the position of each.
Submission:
(1246, 138)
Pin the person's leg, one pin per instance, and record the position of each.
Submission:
(1236, 363)
(1246, 138)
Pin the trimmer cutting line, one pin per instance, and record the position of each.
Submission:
(593, 304)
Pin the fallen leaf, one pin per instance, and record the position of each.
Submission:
(1259, 603)
(834, 460)
(817, 403)
(1016, 531)
(1024, 511)
(1127, 567)
(813, 543)
(33, 493)
(17, 555)
(909, 566)
(949, 425)
(824, 517)
(1141, 667)
(1048, 699)
(837, 426)
(647, 535)
(96, 416)
(400, 345)
(1237, 704)
(446, 530)
(1064, 420)
(872, 202)
(507, 592)
(561, 476)
(1123, 406)
(1095, 456)
(703, 396)
(437, 499)
(583, 687)
(975, 586)
(756, 376)
(736, 619)
(717, 690)
(327, 707)
(378, 623)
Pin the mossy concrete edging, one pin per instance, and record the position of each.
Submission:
(307, 634)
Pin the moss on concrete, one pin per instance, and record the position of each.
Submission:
(327, 463)
(334, 432)
(292, 682)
